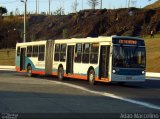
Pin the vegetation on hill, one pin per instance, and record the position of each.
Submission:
(10, 31)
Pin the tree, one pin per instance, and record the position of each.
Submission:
(59, 11)
(17, 11)
(74, 6)
(65, 33)
(93, 3)
(3, 11)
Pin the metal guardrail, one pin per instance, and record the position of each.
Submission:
(148, 74)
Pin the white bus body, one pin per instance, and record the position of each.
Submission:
(104, 59)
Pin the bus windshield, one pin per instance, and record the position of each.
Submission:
(129, 56)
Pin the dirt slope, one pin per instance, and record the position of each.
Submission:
(87, 23)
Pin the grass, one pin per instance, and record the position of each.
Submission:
(154, 5)
(7, 56)
(153, 53)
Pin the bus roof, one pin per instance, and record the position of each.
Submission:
(84, 40)
(79, 40)
(129, 37)
(32, 43)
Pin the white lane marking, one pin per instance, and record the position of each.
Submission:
(145, 104)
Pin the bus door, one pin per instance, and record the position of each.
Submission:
(22, 59)
(104, 61)
(70, 59)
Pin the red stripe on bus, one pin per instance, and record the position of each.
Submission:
(33, 71)
(75, 76)
(54, 73)
(85, 78)
(38, 72)
(103, 79)
(18, 69)
(71, 76)
(82, 77)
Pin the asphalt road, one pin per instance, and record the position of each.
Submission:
(39, 95)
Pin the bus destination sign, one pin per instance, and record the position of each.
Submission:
(131, 42)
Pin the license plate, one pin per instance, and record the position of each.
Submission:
(129, 78)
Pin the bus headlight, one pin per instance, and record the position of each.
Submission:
(143, 72)
(114, 71)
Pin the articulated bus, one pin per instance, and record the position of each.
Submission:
(103, 59)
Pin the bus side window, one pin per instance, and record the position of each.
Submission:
(86, 50)
(78, 53)
(56, 52)
(63, 52)
(41, 53)
(35, 51)
(29, 51)
(94, 53)
(18, 51)
(78, 56)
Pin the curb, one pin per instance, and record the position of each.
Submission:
(7, 68)
(152, 74)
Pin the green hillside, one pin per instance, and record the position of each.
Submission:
(153, 54)
(154, 5)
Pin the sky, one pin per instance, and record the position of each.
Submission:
(17, 5)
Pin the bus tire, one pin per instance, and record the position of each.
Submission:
(29, 71)
(91, 77)
(60, 73)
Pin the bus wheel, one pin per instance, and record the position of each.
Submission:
(29, 71)
(60, 73)
(91, 77)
